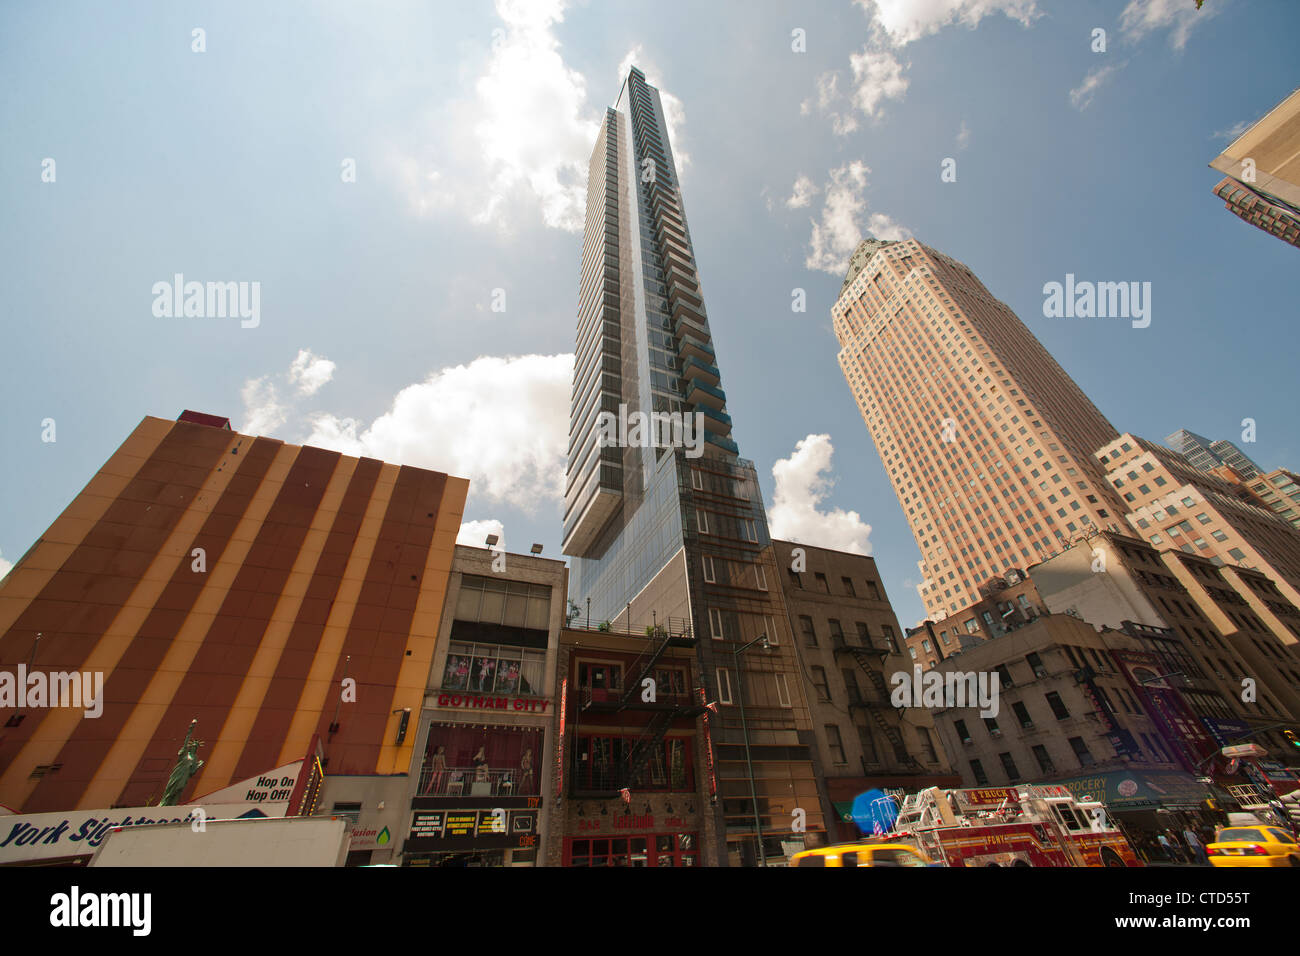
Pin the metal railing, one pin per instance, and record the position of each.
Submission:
(469, 782)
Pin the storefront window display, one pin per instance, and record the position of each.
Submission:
(494, 669)
(466, 760)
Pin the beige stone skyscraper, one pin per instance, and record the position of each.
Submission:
(988, 442)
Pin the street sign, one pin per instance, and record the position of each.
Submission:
(1244, 750)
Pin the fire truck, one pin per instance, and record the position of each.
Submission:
(1010, 826)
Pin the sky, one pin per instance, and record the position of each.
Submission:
(403, 185)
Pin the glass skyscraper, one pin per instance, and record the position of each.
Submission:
(676, 535)
(1208, 455)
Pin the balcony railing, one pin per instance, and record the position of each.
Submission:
(613, 693)
(471, 782)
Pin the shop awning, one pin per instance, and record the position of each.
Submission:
(1126, 790)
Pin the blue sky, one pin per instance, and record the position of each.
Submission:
(470, 125)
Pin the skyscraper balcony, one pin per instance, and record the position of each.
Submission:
(694, 368)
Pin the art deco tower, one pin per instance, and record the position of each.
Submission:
(988, 442)
(676, 535)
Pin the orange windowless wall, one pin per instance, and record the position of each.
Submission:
(308, 558)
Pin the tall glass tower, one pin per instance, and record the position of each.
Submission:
(676, 535)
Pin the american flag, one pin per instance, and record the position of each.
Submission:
(626, 794)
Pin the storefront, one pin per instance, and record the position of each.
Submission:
(644, 849)
(478, 795)
(1147, 805)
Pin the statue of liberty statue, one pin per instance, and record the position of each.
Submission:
(186, 767)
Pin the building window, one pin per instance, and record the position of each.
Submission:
(927, 740)
(888, 633)
(962, 733)
(1081, 751)
(1009, 765)
(464, 760)
(511, 603)
(702, 521)
(991, 725)
(821, 581)
(835, 744)
(1022, 714)
(724, 685)
(761, 577)
(809, 631)
(697, 480)
(873, 591)
(848, 586)
(1058, 706)
(977, 769)
(1044, 759)
(782, 691)
(773, 635)
(710, 575)
(1036, 665)
(868, 741)
(1005, 676)
(820, 683)
(715, 623)
(492, 668)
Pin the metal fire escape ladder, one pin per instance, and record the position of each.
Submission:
(876, 708)
(639, 753)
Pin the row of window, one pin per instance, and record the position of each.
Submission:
(822, 585)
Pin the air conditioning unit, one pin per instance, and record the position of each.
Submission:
(995, 733)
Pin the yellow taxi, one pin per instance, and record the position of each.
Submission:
(1253, 846)
(863, 854)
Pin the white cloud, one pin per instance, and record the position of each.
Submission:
(309, 372)
(802, 484)
(883, 227)
(844, 220)
(474, 533)
(900, 22)
(535, 128)
(804, 190)
(530, 133)
(503, 423)
(5, 566)
(1235, 130)
(963, 136)
(879, 76)
(263, 412)
(1081, 95)
(1179, 17)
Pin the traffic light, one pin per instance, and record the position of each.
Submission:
(1291, 737)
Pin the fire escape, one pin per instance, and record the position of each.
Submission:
(665, 707)
(876, 705)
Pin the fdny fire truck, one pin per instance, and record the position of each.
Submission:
(1011, 826)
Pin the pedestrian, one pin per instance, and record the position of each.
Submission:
(1195, 848)
(1166, 846)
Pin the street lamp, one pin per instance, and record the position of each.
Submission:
(744, 729)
